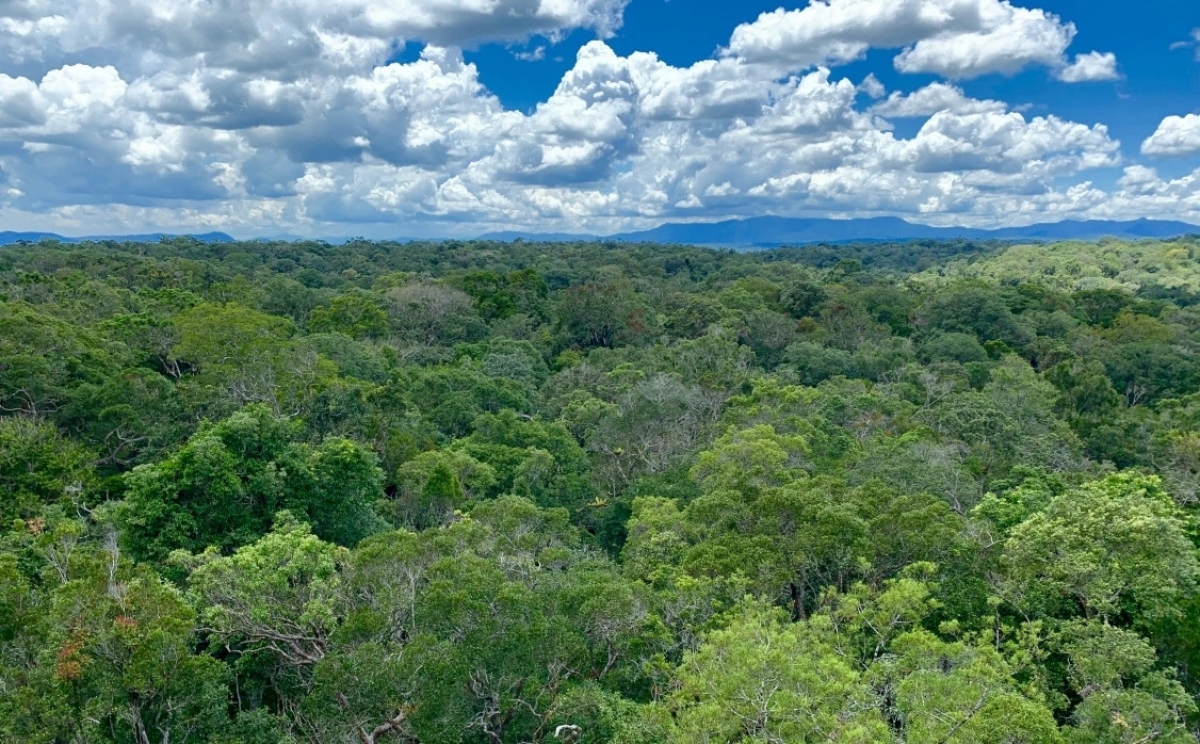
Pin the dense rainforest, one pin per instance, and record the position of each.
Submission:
(499, 493)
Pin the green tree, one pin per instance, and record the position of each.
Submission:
(434, 484)
(39, 467)
(1115, 549)
(107, 654)
(224, 486)
(358, 315)
(973, 308)
(957, 692)
(43, 358)
(1122, 697)
(749, 460)
(763, 679)
(600, 315)
(280, 595)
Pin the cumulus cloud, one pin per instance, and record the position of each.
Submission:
(952, 38)
(73, 137)
(1090, 67)
(872, 87)
(1006, 143)
(1006, 41)
(933, 99)
(284, 35)
(286, 115)
(1176, 136)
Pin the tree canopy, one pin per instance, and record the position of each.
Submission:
(471, 492)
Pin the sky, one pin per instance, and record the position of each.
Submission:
(454, 118)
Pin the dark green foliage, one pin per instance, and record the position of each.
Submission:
(803, 298)
(225, 485)
(974, 309)
(599, 314)
(499, 296)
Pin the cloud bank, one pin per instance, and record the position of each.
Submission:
(287, 115)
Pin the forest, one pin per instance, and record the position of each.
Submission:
(520, 493)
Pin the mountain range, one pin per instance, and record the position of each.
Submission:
(768, 232)
(10, 237)
(776, 231)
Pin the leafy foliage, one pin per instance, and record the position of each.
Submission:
(487, 493)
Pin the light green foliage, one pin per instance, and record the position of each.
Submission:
(43, 358)
(356, 315)
(229, 337)
(960, 692)
(1109, 549)
(749, 460)
(1087, 266)
(540, 461)
(1002, 512)
(38, 467)
(954, 347)
(764, 680)
(241, 356)
(1124, 698)
(117, 661)
(658, 539)
(280, 595)
(864, 622)
(603, 717)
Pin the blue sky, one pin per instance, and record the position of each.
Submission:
(458, 117)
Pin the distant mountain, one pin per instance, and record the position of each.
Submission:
(1093, 229)
(8, 238)
(510, 235)
(767, 231)
(773, 231)
(776, 231)
(759, 232)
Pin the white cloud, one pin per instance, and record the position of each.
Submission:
(1193, 43)
(1090, 67)
(872, 87)
(1006, 41)
(932, 99)
(534, 55)
(623, 141)
(1176, 136)
(78, 140)
(1139, 178)
(1006, 143)
(952, 38)
(284, 115)
(282, 35)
